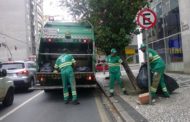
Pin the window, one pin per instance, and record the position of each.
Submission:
(72, 47)
(174, 45)
(157, 32)
(31, 65)
(160, 48)
(159, 27)
(172, 19)
(11, 66)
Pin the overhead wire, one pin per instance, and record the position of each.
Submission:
(21, 41)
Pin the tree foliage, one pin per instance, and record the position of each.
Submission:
(113, 20)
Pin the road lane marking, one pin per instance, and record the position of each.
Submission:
(101, 110)
(21, 105)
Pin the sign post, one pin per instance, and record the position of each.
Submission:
(146, 19)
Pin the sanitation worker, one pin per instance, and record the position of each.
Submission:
(64, 64)
(157, 67)
(114, 63)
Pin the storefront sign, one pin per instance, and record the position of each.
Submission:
(129, 51)
(175, 50)
(184, 26)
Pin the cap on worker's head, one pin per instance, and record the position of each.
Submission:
(143, 46)
(113, 50)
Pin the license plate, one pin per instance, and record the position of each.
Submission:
(12, 75)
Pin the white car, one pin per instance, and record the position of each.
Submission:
(6, 89)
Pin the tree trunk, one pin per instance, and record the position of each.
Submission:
(129, 72)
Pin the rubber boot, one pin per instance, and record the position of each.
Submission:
(166, 94)
(76, 102)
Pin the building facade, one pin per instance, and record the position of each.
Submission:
(19, 28)
(36, 14)
(171, 35)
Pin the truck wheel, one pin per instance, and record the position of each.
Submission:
(9, 97)
(47, 90)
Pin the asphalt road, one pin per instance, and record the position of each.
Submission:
(38, 106)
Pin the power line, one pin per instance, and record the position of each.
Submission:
(21, 41)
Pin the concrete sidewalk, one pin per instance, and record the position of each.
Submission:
(173, 109)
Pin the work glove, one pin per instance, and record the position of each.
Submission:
(55, 72)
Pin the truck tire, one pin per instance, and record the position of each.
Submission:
(9, 97)
(48, 90)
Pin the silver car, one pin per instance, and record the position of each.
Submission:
(6, 89)
(21, 72)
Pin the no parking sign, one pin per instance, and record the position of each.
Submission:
(146, 18)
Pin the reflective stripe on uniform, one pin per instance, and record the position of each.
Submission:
(65, 64)
(120, 61)
(55, 66)
(123, 89)
(73, 60)
(113, 64)
(66, 94)
(111, 90)
(164, 89)
(155, 58)
(152, 89)
(74, 93)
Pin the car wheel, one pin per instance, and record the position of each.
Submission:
(9, 97)
(31, 84)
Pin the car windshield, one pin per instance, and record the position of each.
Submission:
(11, 66)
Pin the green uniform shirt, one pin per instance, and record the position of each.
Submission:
(156, 62)
(64, 61)
(114, 63)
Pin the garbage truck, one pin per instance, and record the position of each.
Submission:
(78, 39)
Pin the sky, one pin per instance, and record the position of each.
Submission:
(51, 8)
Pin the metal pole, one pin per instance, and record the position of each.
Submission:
(148, 68)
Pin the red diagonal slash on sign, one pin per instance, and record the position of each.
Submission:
(142, 16)
(147, 19)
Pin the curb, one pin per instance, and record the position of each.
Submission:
(124, 109)
(110, 100)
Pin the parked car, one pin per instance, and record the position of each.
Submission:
(100, 67)
(106, 73)
(6, 89)
(21, 72)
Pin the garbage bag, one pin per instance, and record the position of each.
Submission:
(83, 69)
(142, 77)
(142, 81)
(171, 84)
(46, 68)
